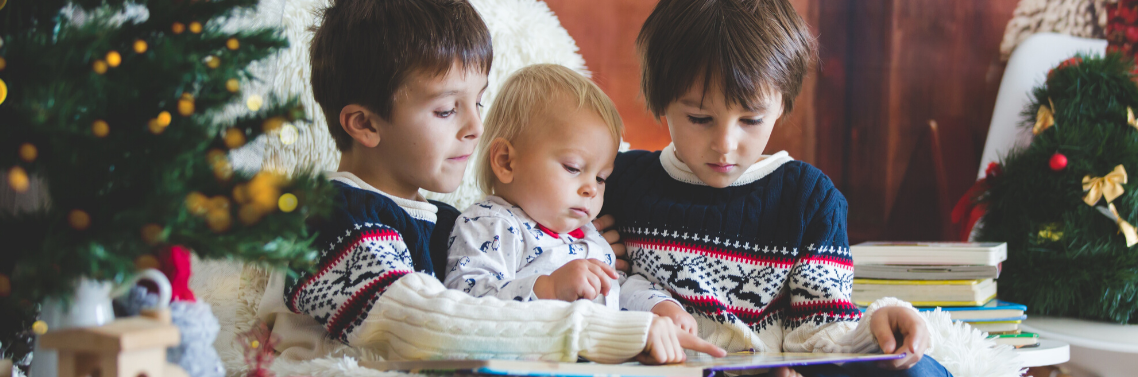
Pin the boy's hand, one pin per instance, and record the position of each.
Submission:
(890, 322)
(606, 225)
(582, 278)
(679, 316)
(783, 372)
(666, 344)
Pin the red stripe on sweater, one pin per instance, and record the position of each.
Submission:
(713, 252)
(376, 286)
(748, 315)
(383, 234)
(831, 307)
(846, 263)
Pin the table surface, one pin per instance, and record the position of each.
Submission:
(1049, 352)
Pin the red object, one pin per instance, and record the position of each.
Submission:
(1058, 161)
(970, 204)
(259, 345)
(578, 233)
(1122, 27)
(175, 263)
(1066, 63)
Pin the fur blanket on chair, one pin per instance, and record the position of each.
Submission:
(524, 32)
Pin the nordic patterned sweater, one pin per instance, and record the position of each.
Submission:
(761, 264)
(374, 288)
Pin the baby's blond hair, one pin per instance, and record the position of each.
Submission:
(526, 95)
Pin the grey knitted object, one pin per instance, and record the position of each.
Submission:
(198, 328)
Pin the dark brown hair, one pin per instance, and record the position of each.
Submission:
(363, 50)
(751, 48)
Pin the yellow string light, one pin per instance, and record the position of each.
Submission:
(78, 219)
(254, 102)
(212, 62)
(28, 152)
(152, 234)
(18, 179)
(140, 46)
(289, 134)
(178, 28)
(232, 44)
(39, 327)
(154, 126)
(232, 85)
(287, 202)
(234, 138)
(99, 67)
(100, 128)
(196, 27)
(113, 58)
(3, 91)
(3, 63)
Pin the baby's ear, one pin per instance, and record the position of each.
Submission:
(359, 123)
(502, 155)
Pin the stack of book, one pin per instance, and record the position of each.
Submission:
(958, 277)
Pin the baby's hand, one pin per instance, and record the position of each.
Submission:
(666, 344)
(678, 315)
(582, 278)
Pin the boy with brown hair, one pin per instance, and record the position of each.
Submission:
(400, 82)
(753, 245)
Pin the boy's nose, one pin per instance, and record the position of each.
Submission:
(473, 127)
(724, 141)
(588, 190)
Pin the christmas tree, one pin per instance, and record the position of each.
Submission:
(1063, 204)
(115, 112)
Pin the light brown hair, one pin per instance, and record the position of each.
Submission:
(750, 48)
(525, 96)
(363, 50)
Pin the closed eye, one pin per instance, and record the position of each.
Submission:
(571, 169)
(751, 122)
(699, 120)
(601, 180)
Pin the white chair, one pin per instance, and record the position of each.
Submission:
(1096, 348)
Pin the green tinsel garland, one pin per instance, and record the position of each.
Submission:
(1065, 258)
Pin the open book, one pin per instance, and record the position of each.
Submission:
(699, 366)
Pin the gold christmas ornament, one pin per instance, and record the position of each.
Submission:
(18, 179)
(287, 202)
(1108, 186)
(39, 327)
(241, 193)
(147, 261)
(78, 219)
(232, 85)
(215, 156)
(219, 203)
(218, 221)
(234, 138)
(232, 44)
(222, 170)
(99, 67)
(113, 58)
(196, 27)
(254, 102)
(1124, 227)
(272, 124)
(155, 127)
(197, 203)
(212, 62)
(264, 191)
(100, 128)
(140, 46)
(152, 234)
(164, 118)
(28, 152)
(289, 134)
(1044, 119)
(186, 106)
(249, 215)
(178, 28)
(3, 91)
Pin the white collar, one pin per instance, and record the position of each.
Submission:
(420, 209)
(681, 172)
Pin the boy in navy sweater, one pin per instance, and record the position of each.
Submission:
(753, 246)
(399, 82)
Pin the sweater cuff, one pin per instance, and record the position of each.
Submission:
(861, 339)
(610, 336)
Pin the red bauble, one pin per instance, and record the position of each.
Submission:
(1058, 161)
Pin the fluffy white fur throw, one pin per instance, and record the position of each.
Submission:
(524, 32)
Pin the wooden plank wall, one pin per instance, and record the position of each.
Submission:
(886, 67)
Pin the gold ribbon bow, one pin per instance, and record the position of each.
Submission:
(1124, 227)
(1130, 119)
(1109, 186)
(1044, 118)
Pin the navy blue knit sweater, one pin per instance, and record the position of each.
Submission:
(762, 264)
(367, 243)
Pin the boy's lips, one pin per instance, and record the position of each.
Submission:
(721, 168)
(459, 158)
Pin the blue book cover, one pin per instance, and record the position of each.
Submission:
(994, 310)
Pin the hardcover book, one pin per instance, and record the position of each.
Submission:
(924, 253)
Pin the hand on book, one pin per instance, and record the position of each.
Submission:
(898, 330)
(606, 225)
(678, 315)
(667, 342)
(783, 372)
(582, 278)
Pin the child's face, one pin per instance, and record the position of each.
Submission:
(434, 128)
(561, 163)
(716, 141)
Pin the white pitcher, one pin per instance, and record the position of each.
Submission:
(90, 306)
